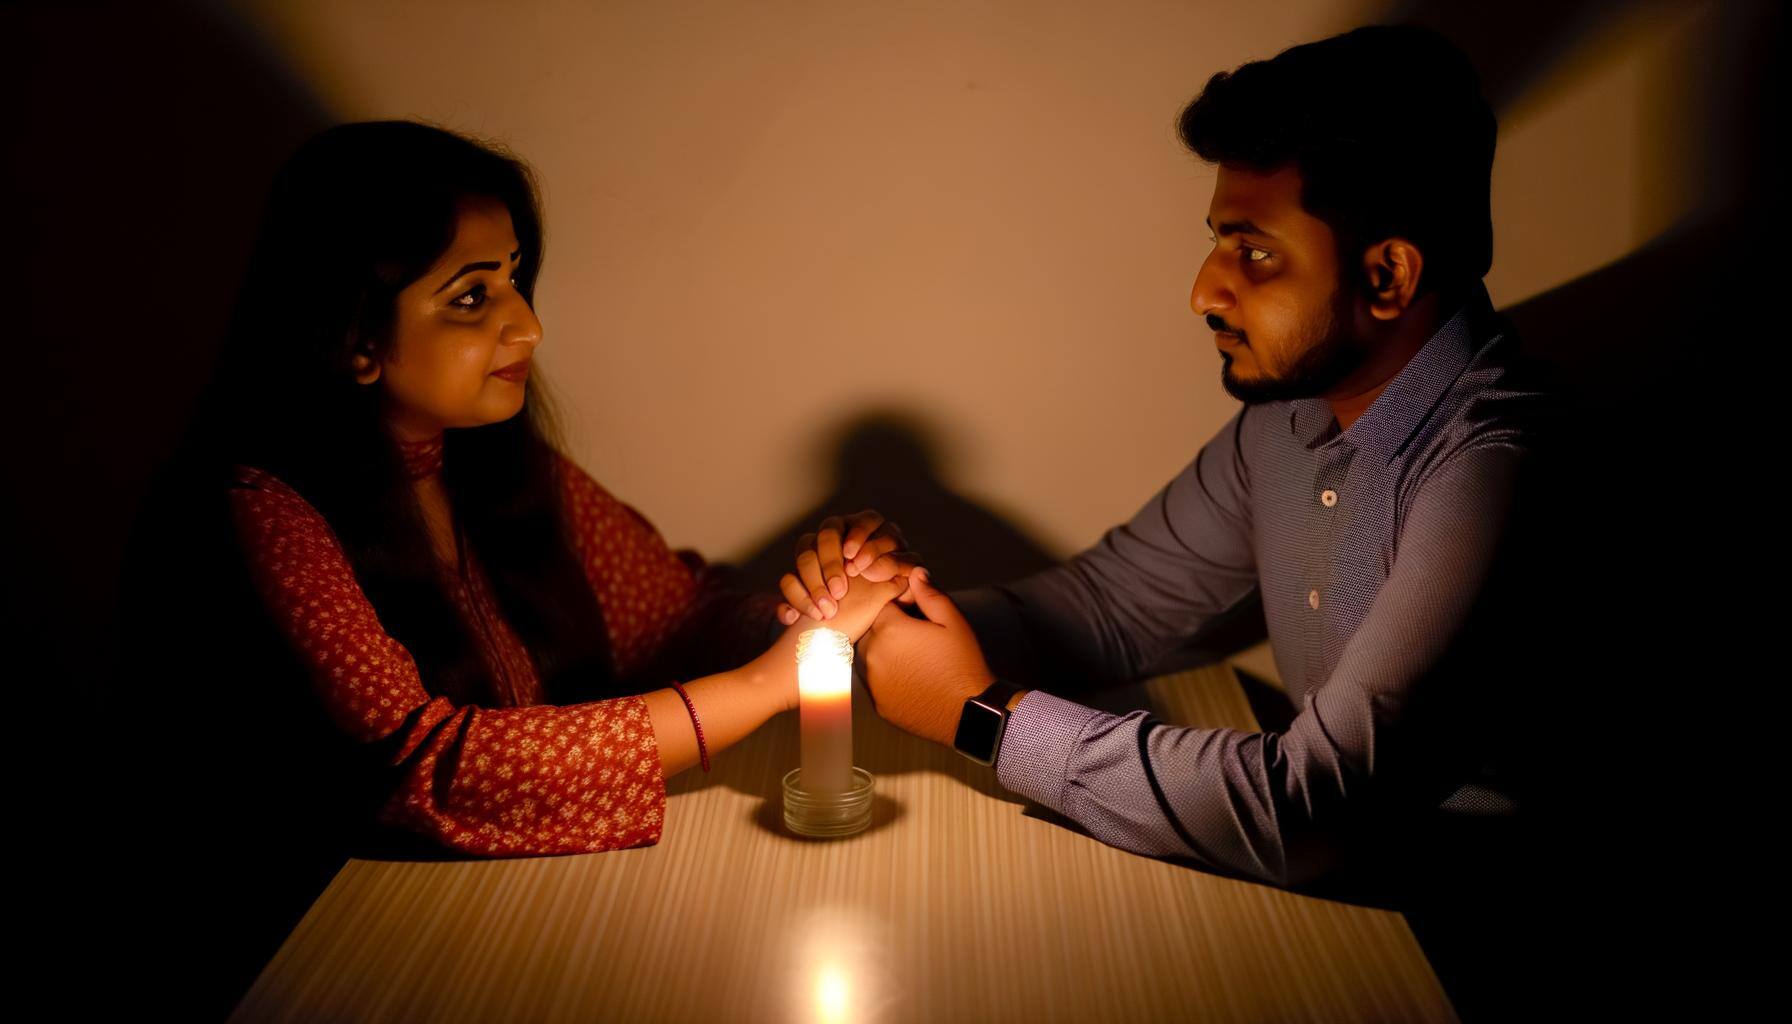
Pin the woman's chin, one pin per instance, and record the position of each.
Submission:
(501, 409)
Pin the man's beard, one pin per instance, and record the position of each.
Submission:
(1321, 367)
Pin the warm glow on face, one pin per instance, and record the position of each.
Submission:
(452, 330)
(823, 663)
(832, 994)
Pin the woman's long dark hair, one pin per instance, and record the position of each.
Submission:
(355, 215)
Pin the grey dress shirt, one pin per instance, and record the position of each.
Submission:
(1370, 549)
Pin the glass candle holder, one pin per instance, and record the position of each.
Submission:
(831, 814)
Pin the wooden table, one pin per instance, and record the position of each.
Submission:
(957, 904)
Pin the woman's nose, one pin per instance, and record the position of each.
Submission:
(525, 327)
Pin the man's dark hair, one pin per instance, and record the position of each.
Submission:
(1389, 131)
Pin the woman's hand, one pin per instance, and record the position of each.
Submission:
(776, 668)
(860, 545)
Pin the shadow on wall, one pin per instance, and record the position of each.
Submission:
(1618, 560)
(889, 461)
(144, 170)
(152, 132)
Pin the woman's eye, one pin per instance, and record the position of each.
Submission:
(475, 296)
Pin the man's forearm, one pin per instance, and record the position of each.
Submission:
(1219, 797)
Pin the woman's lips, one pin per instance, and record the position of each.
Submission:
(517, 372)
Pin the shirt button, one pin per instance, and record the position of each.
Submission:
(1312, 599)
(1329, 498)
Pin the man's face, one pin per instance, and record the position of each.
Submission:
(1271, 291)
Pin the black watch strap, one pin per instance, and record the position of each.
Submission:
(983, 721)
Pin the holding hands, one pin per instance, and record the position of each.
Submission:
(860, 545)
(853, 615)
(920, 670)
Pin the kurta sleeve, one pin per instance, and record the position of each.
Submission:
(668, 612)
(501, 782)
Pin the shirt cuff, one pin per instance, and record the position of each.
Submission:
(1042, 733)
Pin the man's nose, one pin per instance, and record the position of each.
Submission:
(1210, 293)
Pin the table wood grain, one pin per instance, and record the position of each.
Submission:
(957, 904)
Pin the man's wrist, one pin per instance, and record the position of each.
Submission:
(951, 709)
(982, 719)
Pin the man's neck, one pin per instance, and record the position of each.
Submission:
(1415, 327)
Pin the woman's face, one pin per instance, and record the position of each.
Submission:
(455, 329)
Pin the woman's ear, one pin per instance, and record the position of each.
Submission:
(366, 370)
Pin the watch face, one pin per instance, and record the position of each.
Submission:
(978, 728)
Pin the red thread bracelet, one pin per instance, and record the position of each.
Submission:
(702, 751)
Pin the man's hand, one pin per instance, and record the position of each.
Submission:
(863, 544)
(863, 602)
(921, 671)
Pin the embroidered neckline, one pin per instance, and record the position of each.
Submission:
(422, 459)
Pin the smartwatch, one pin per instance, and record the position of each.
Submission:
(982, 722)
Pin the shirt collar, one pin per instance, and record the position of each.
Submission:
(1403, 406)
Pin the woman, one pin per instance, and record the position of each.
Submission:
(462, 599)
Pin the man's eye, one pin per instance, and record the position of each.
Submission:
(1252, 254)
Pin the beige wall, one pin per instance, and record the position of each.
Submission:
(765, 219)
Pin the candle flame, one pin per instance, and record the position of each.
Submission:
(823, 663)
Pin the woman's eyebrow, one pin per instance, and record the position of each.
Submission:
(469, 268)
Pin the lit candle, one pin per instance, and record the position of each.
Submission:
(824, 686)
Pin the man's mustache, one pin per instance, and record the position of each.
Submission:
(1222, 327)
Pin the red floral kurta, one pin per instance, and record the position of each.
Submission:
(532, 778)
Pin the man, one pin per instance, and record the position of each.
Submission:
(1359, 494)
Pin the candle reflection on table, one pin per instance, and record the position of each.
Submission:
(840, 959)
(833, 995)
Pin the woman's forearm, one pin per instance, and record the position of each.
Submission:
(730, 705)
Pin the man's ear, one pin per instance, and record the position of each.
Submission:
(1391, 267)
(366, 370)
